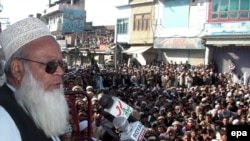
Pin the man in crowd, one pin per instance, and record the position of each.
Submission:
(32, 102)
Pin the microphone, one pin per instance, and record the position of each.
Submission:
(134, 131)
(113, 107)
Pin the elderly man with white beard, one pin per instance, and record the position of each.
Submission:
(32, 102)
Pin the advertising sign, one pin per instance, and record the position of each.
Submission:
(178, 43)
(234, 28)
(73, 21)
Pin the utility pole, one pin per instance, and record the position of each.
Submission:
(116, 38)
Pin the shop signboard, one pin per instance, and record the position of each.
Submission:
(232, 28)
(178, 43)
(73, 21)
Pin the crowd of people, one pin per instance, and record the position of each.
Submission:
(173, 101)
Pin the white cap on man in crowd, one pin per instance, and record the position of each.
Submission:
(77, 88)
(235, 121)
(21, 33)
(176, 123)
(83, 125)
(89, 87)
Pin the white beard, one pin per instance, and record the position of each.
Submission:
(48, 109)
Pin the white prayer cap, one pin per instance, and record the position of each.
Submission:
(151, 138)
(77, 88)
(89, 87)
(21, 33)
(235, 121)
(83, 125)
(229, 94)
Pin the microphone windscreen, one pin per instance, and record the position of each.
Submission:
(106, 101)
(121, 123)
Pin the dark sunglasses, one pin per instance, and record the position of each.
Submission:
(51, 66)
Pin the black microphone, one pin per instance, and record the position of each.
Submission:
(113, 107)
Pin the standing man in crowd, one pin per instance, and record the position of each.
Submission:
(32, 102)
(231, 66)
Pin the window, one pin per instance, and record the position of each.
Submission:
(229, 10)
(142, 22)
(122, 26)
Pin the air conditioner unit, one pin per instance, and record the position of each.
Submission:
(193, 2)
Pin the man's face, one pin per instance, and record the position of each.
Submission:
(225, 121)
(224, 110)
(190, 123)
(41, 94)
(43, 50)
(176, 127)
(82, 115)
(169, 115)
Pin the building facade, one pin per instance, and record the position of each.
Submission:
(135, 31)
(81, 42)
(179, 27)
(227, 35)
(193, 31)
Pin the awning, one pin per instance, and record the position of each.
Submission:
(136, 50)
(111, 49)
(227, 40)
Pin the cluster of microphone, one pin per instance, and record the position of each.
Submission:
(120, 123)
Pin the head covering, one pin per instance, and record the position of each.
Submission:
(229, 94)
(176, 123)
(77, 88)
(83, 125)
(150, 138)
(204, 99)
(94, 99)
(89, 87)
(21, 33)
(235, 121)
(190, 119)
(160, 117)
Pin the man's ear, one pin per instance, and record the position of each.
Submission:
(17, 69)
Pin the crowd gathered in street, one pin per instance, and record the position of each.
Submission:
(175, 102)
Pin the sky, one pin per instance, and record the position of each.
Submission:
(100, 12)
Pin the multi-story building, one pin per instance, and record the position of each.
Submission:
(81, 42)
(227, 34)
(66, 20)
(193, 31)
(134, 30)
(178, 32)
(156, 34)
